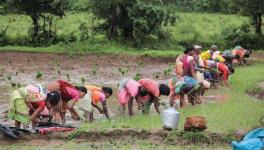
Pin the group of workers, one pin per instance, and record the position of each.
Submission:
(33, 102)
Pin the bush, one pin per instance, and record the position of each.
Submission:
(234, 36)
(3, 36)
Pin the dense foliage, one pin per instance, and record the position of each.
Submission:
(137, 23)
(133, 19)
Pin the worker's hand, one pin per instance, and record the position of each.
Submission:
(34, 119)
(101, 111)
(75, 117)
(69, 106)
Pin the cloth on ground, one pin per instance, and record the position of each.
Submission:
(54, 129)
(254, 140)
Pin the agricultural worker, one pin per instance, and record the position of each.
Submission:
(228, 56)
(154, 90)
(100, 95)
(207, 55)
(222, 71)
(199, 64)
(184, 65)
(69, 96)
(128, 90)
(85, 105)
(186, 85)
(217, 56)
(30, 98)
(238, 53)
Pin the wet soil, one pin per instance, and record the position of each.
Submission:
(257, 91)
(96, 69)
(125, 135)
(101, 70)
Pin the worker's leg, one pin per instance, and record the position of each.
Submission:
(130, 107)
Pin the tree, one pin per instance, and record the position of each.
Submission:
(254, 9)
(133, 19)
(40, 10)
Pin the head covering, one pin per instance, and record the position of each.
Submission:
(213, 47)
(217, 53)
(197, 47)
(206, 84)
(188, 49)
(238, 47)
(35, 92)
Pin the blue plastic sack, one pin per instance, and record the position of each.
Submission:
(254, 140)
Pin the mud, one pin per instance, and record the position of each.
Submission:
(95, 69)
(257, 91)
(126, 135)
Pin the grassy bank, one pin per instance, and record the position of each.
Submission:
(235, 111)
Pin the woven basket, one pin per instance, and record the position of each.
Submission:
(195, 123)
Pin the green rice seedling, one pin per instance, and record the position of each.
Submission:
(39, 75)
(81, 60)
(13, 84)
(94, 69)
(140, 63)
(9, 78)
(82, 80)
(68, 77)
(137, 77)
(18, 85)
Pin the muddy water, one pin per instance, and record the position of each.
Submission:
(22, 68)
(102, 70)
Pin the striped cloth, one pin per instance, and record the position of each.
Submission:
(62, 106)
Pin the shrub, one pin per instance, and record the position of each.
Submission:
(241, 35)
(3, 35)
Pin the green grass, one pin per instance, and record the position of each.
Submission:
(237, 112)
(204, 27)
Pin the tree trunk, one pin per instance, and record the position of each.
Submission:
(127, 27)
(258, 22)
(35, 26)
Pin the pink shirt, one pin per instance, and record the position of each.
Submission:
(73, 93)
(102, 96)
(151, 86)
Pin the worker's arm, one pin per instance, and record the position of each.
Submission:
(98, 108)
(73, 102)
(226, 83)
(105, 109)
(156, 104)
(192, 68)
(74, 114)
(36, 113)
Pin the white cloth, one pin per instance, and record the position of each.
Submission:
(85, 103)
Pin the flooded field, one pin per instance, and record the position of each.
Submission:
(19, 69)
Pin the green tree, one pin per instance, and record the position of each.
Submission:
(254, 9)
(40, 10)
(133, 19)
